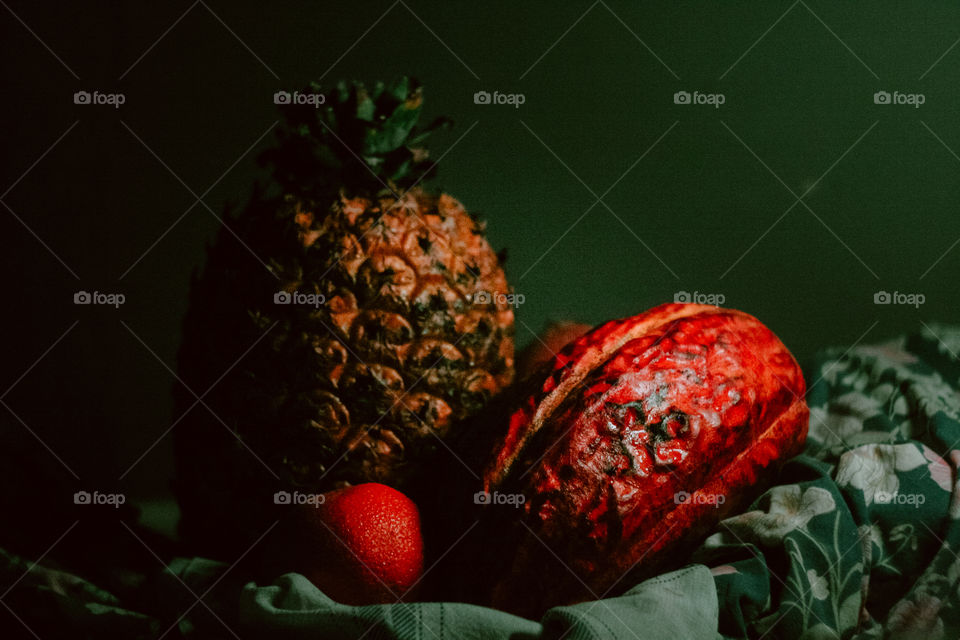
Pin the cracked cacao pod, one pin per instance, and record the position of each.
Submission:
(628, 446)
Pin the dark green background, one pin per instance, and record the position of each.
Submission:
(800, 98)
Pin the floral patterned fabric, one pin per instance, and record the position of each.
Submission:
(860, 538)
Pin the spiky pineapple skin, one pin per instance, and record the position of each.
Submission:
(410, 339)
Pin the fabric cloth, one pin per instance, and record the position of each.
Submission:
(292, 607)
(858, 539)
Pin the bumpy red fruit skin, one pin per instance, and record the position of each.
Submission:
(622, 451)
(363, 545)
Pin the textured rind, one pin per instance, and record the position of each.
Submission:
(354, 390)
(404, 325)
(683, 399)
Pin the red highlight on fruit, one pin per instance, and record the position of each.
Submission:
(634, 442)
(360, 545)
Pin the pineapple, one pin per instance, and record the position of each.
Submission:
(355, 312)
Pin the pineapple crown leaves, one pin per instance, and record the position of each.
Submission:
(359, 139)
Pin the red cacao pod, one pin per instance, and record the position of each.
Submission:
(632, 443)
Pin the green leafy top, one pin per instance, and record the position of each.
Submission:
(359, 139)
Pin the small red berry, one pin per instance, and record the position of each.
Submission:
(362, 545)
